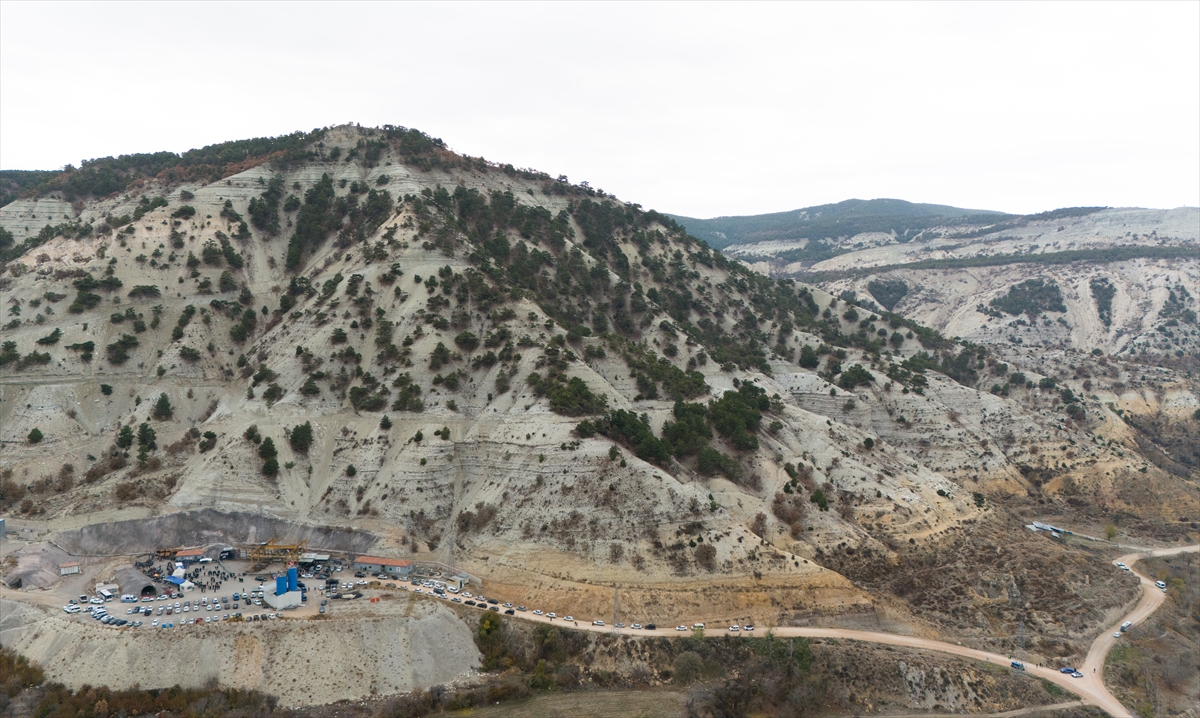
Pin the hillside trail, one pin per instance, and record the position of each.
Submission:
(1090, 688)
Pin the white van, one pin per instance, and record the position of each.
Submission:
(1161, 585)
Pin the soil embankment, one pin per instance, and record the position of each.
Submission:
(303, 662)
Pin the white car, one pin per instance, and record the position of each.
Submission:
(551, 615)
(467, 594)
(1121, 564)
(681, 628)
(734, 629)
(72, 608)
(597, 623)
(537, 612)
(636, 626)
(569, 618)
(186, 608)
(748, 627)
(1117, 634)
(154, 623)
(96, 601)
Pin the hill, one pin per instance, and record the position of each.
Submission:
(556, 391)
(832, 221)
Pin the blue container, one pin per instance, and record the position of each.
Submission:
(280, 585)
(292, 579)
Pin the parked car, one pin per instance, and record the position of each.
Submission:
(1018, 665)
(1066, 670)
(597, 623)
(636, 626)
(651, 627)
(681, 628)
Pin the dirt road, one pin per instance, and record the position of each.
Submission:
(1090, 687)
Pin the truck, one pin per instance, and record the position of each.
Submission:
(1126, 626)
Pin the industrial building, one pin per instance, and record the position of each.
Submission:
(132, 581)
(287, 593)
(381, 564)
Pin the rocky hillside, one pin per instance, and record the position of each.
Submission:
(543, 385)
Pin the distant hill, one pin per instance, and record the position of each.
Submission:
(847, 218)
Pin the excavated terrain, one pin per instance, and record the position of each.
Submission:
(482, 367)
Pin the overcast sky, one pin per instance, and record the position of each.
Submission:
(695, 109)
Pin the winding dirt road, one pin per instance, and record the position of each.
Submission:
(1090, 688)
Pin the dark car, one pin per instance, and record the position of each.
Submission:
(469, 603)
(510, 612)
(495, 608)
(359, 574)
(651, 627)
(493, 601)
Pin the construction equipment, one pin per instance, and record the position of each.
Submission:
(264, 554)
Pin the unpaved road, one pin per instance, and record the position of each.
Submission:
(1090, 687)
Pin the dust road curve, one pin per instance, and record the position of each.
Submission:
(1090, 688)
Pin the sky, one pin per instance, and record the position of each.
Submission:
(695, 109)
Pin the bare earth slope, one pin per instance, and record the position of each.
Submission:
(577, 396)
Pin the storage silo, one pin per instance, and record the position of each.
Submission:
(292, 579)
(280, 585)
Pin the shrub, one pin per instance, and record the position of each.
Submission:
(185, 212)
(35, 436)
(145, 291)
(118, 351)
(189, 354)
(467, 341)
(350, 470)
(208, 442)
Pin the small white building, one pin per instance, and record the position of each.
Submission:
(291, 599)
(68, 569)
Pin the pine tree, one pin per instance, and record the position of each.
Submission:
(162, 408)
